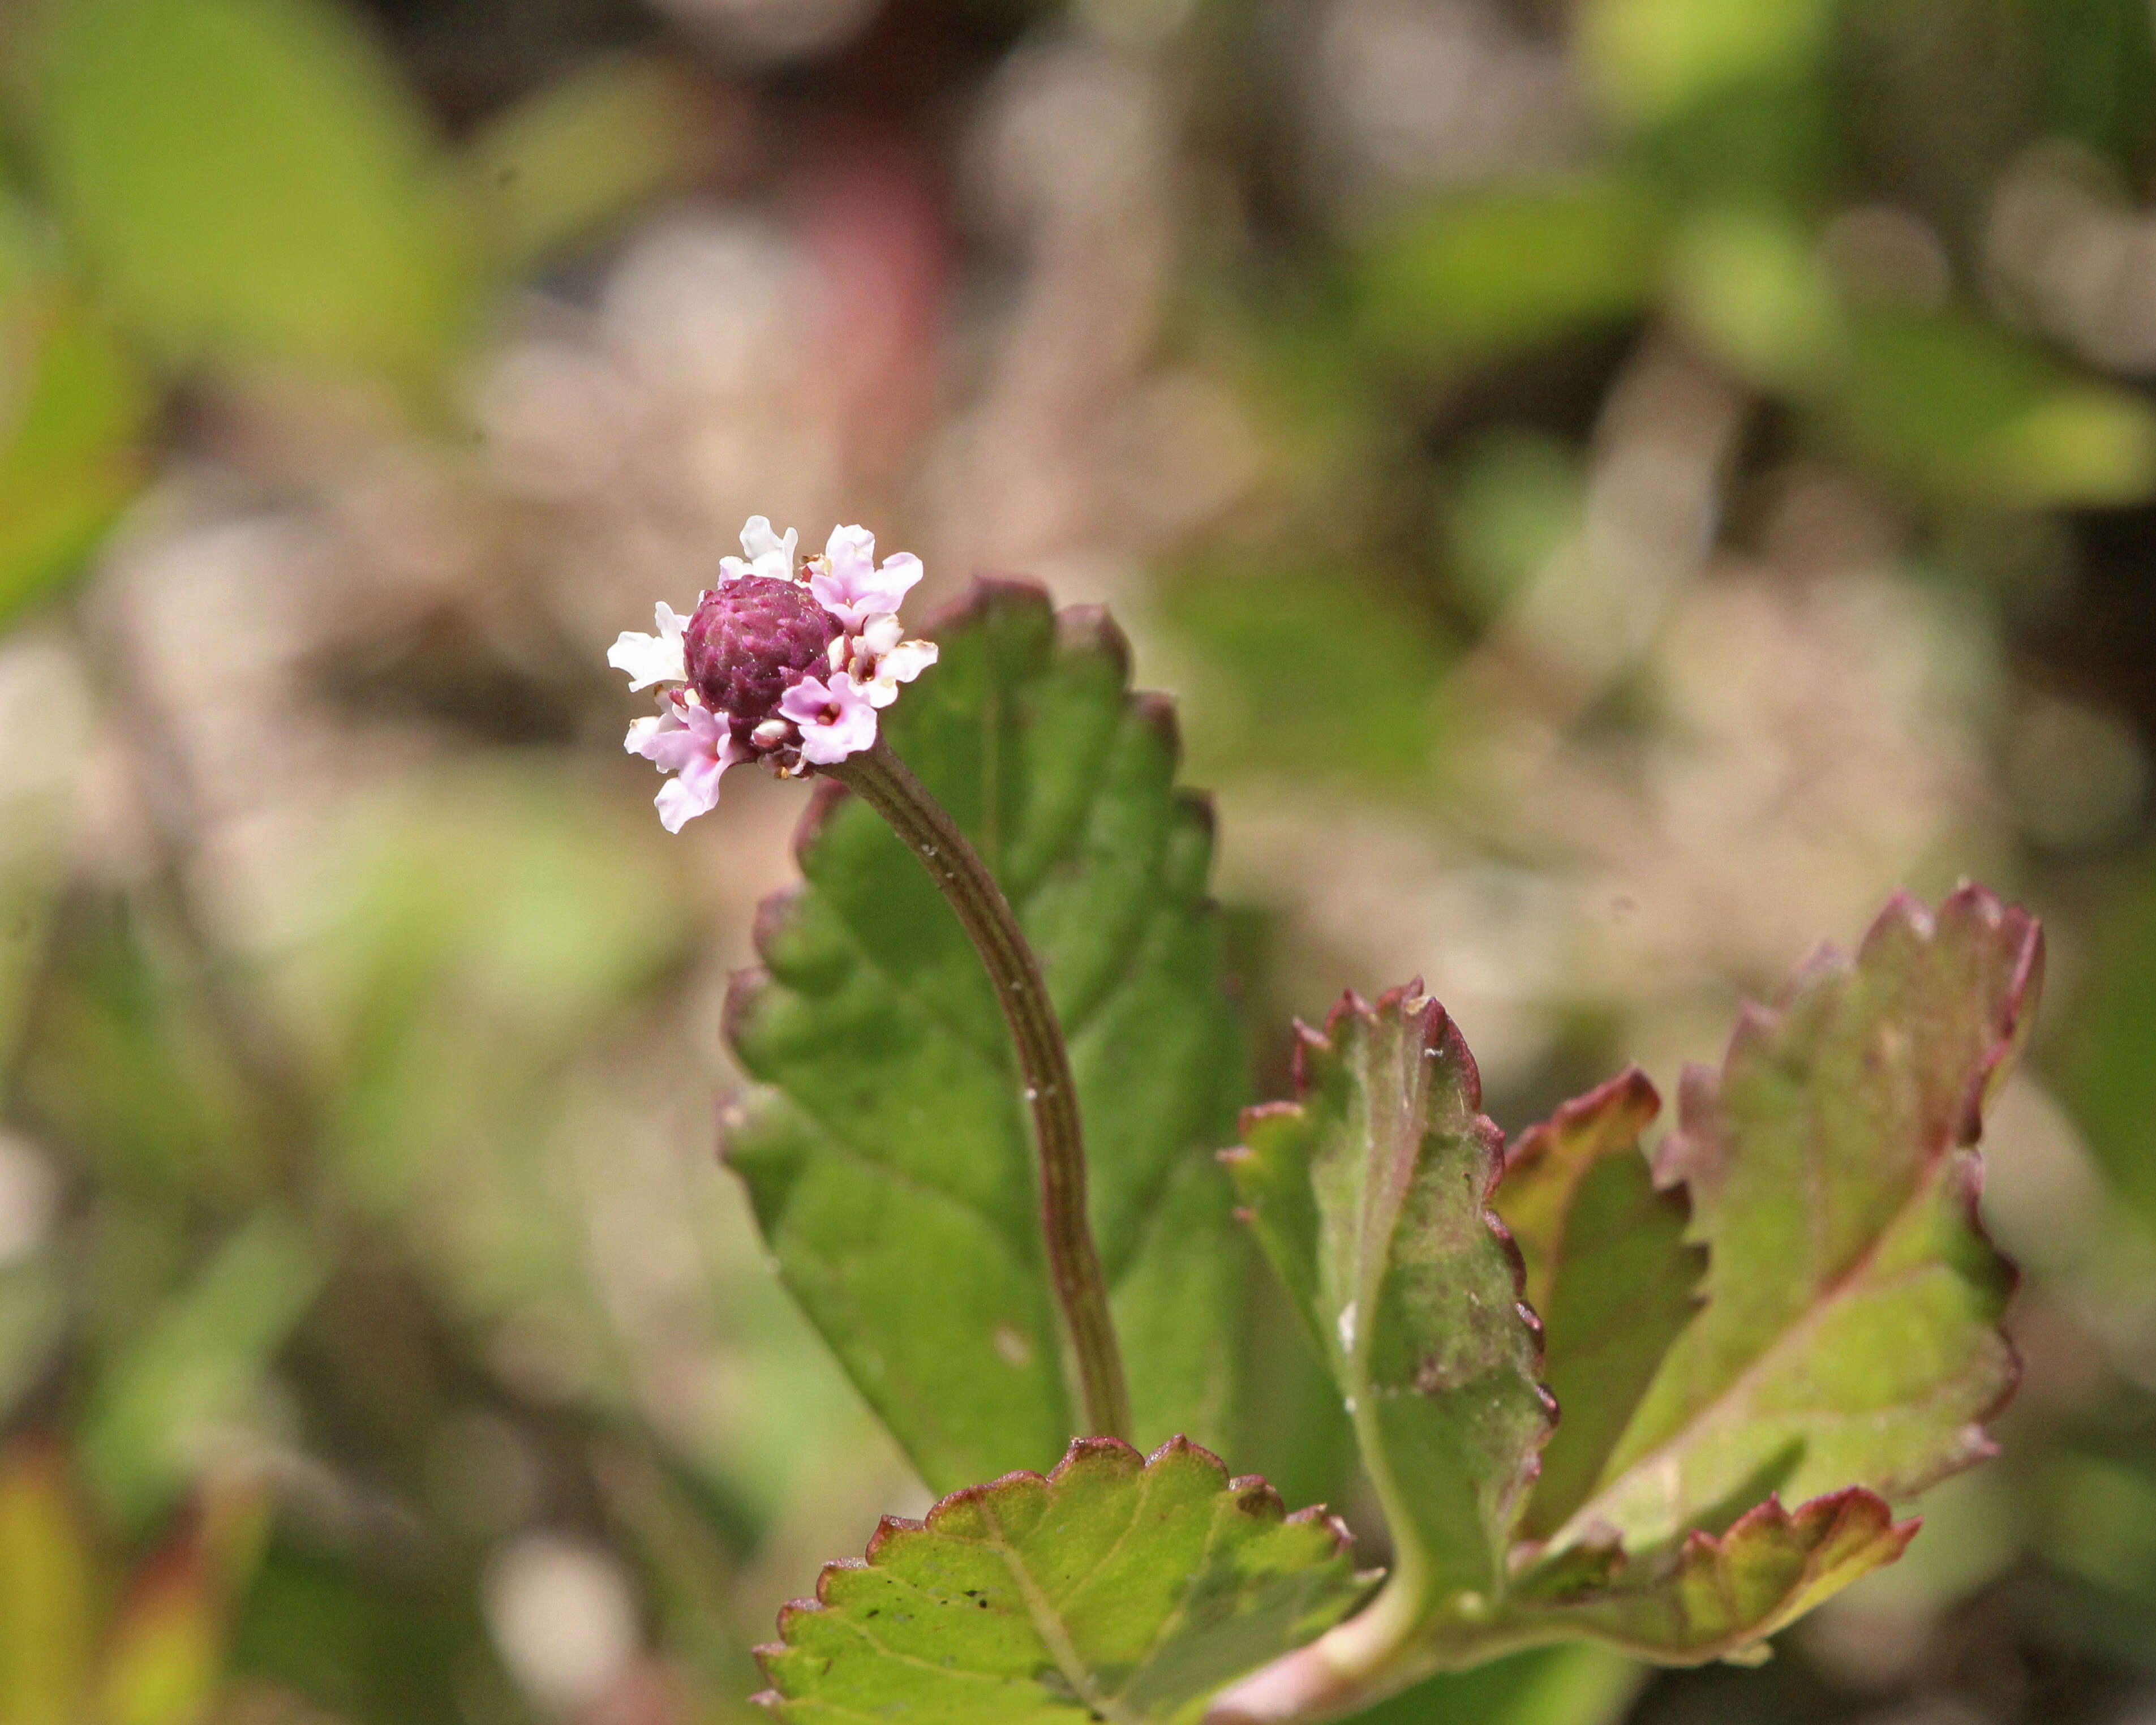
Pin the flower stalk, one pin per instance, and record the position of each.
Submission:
(877, 776)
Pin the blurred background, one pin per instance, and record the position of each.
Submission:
(1617, 486)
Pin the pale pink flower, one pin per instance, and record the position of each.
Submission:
(652, 658)
(765, 553)
(850, 586)
(896, 661)
(836, 719)
(696, 746)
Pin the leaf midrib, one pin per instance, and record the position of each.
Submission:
(1048, 1622)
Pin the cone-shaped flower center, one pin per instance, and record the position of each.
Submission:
(753, 640)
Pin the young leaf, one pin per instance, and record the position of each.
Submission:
(162, 1663)
(249, 177)
(71, 428)
(1850, 1332)
(47, 1590)
(1115, 1588)
(1369, 1195)
(195, 1365)
(887, 1153)
(1847, 1344)
(1718, 1598)
(1608, 1269)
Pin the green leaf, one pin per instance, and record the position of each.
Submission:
(1490, 271)
(1314, 666)
(47, 1615)
(1753, 285)
(71, 417)
(1607, 1268)
(1849, 1336)
(1369, 1195)
(582, 154)
(887, 1152)
(1650, 59)
(1969, 412)
(1115, 1588)
(248, 178)
(196, 1368)
(1720, 1597)
(2107, 1076)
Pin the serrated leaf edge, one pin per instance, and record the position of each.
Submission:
(1255, 1497)
(1441, 1039)
(1853, 1509)
(1756, 1025)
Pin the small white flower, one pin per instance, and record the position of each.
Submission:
(694, 745)
(766, 553)
(850, 586)
(836, 719)
(901, 664)
(652, 658)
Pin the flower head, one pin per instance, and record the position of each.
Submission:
(786, 668)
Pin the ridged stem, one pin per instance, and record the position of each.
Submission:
(881, 780)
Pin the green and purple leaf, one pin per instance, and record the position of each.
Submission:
(1849, 1335)
(1844, 1347)
(1718, 1597)
(1117, 1588)
(1370, 1194)
(1607, 1268)
(886, 1148)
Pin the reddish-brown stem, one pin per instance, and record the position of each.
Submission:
(880, 778)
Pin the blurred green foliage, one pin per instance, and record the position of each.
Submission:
(71, 417)
(246, 176)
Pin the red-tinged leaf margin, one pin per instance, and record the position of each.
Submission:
(1691, 1152)
(1614, 1289)
(1273, 1168)
(1256, 1497)
(1694, 1154)
(1614, 1113)
(1828, 1543)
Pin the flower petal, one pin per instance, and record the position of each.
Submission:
(907, 661)
(768, 552)
(901, 571)
(902, 663)
(652, 658)
(694, 792)
(850, 550)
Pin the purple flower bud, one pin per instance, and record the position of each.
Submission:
(753, 640)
